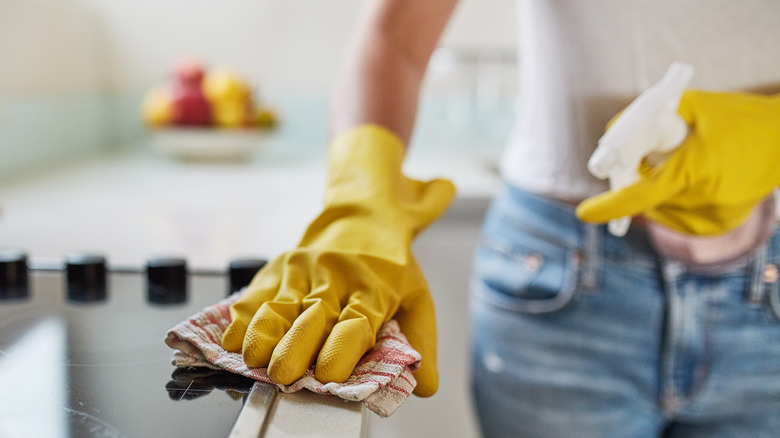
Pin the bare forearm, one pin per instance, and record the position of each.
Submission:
(377, 85)
(385, 63)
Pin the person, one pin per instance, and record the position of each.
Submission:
(576, 332)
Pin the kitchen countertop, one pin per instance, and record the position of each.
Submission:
(133, 205)
(137, 204)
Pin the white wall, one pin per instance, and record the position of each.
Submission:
(48, 48)
(68, 46)
(72, 72)
(52, 77)
(291, 45)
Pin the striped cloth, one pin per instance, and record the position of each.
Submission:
(382, 379)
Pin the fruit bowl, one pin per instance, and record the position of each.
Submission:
(207, 144)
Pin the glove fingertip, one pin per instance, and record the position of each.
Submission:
(298, 349)
(441, 190)
(233, 337)
(626, 202)
(594, 210)
(446, 186)
(281, 372)
(347, 343)
(427, 381)
(256, 351)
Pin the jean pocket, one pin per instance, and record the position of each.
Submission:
(533, 278)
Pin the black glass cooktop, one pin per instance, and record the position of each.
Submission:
(82, 352)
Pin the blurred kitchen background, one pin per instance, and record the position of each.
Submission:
(78, 171)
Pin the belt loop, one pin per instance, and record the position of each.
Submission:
(758, 278)
(591, 262)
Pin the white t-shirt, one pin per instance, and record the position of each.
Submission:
(582, 61)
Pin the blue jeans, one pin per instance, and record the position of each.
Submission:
(578, 333)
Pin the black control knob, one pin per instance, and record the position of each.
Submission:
(13, 275)
(241, 272)
(86, 277)
(166, 280)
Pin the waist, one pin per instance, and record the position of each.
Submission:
(555, 221)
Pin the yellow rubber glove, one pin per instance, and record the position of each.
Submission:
(712, 182)
(352, 271)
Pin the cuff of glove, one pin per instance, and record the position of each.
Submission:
(365, 172)
(371, 147)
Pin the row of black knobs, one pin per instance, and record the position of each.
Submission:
(86, 277)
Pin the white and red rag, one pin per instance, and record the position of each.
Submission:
(382, 379)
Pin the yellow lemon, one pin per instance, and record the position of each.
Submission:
(156, 107)
(225, 84)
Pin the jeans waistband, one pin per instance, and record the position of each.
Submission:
(556, 222)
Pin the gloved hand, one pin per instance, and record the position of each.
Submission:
(712, 182)
(352, 271)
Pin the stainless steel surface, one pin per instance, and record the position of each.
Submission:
(268, 413)
(251, 420)
(304, 414)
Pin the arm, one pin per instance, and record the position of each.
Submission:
(385, 62)
(324, 301)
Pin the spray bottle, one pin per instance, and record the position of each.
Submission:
(650, 127)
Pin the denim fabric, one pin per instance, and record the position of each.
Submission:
(578, 333)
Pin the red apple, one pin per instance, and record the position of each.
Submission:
(188, 70)
(189, 106)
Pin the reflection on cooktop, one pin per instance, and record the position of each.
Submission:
(192, 383)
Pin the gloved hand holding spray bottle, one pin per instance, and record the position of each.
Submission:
(649, 126)
(700, 165)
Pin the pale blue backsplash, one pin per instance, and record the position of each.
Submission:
(43, 130)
